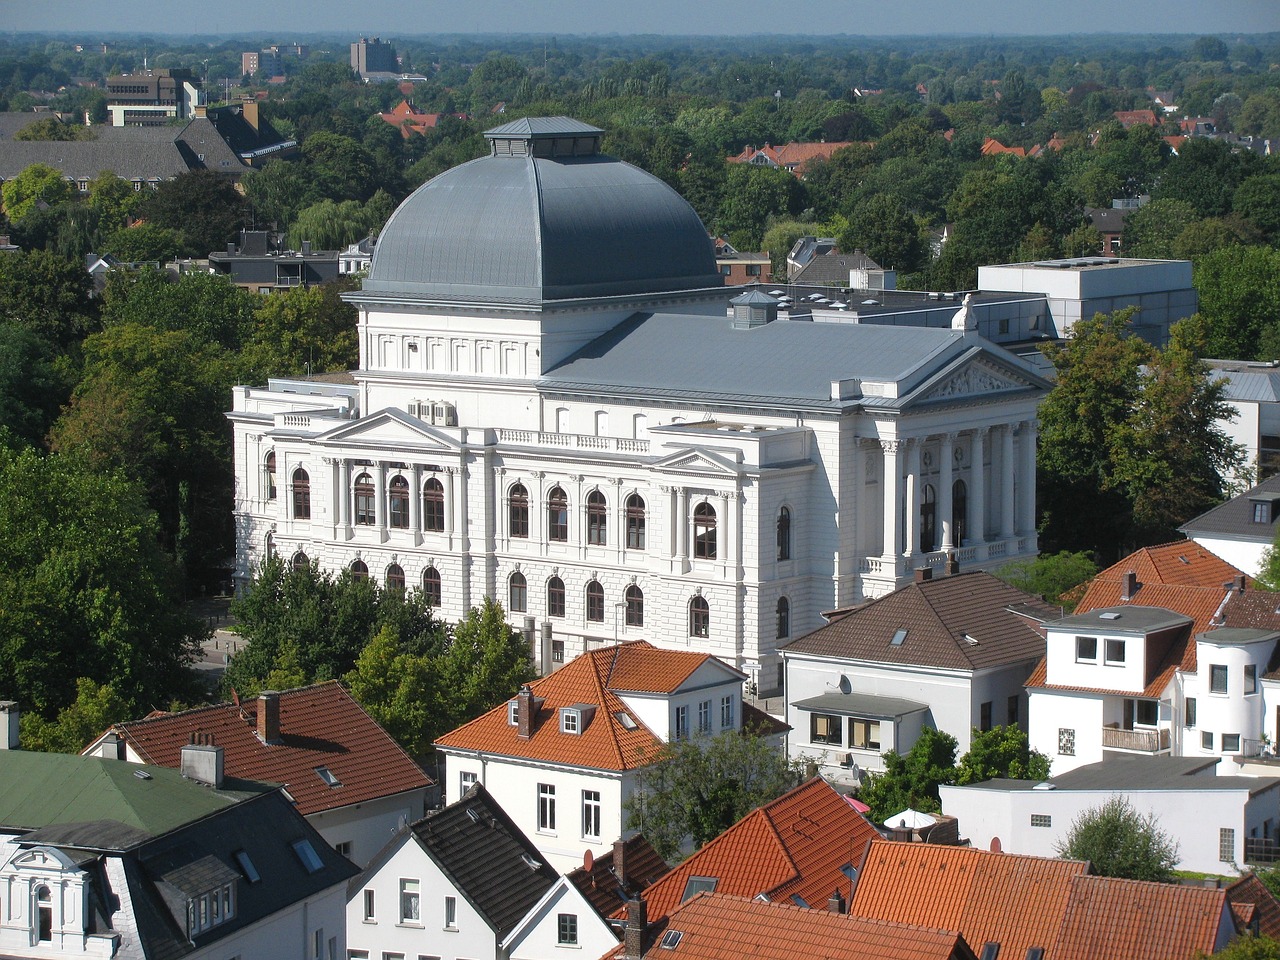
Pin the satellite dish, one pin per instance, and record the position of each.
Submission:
(588, 861)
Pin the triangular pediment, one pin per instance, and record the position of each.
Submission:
(974, 377)
(389, 429)
(697, 462)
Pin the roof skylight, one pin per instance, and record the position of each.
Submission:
(246, 866)
(328, 776)
(671, 939)
(898, 636)
(308, 856)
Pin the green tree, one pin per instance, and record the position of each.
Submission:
(95, 708)
(884, 229)
(203, 205)
(145, 243)
(400, 690)
(48, 294)
(1258, 201)
(752, 195)
(484, 663)
(1049, 576)
(278, 191)
(1239, 290)
(37, 184)
(208, 306)
(912, 780)
(1001, 752)
(1152, 230)
(331, 226)
(1247, 948)
(113, 199)
(1121, 842)
(33, 385)
(306, 329)
(53, 129)
(341, 167)
(696, 789)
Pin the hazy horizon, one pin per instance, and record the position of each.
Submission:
(232, 18)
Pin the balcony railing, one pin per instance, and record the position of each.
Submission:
(1142, 741)
(576, 440)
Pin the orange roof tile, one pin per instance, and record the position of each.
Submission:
(606, 743)
(992, 147)
(320, 726)
(1016, 901)
(1251, 891)
(713, 926)
(1179, 562)
(794, 846)
(1107, 918)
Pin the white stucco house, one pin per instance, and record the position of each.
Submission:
(557, 406)
(1242, 530)
(949, 652)
(1213, 818)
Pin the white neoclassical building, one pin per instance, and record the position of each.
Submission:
(557, 405)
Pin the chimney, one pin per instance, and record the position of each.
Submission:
(923, 574)
(620, 862)
(546, 665)
(835, 903)
(203, 764)
(1239, 582)
(1130, 588)
(526, 706)
(231, 248)
(953, 564)
(637, 926)
(112, 747)
(269, 716)
(9, 714)
(249, 110)
(306, 248)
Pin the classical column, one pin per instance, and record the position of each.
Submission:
(976, 506)
(451, 505)
(1007, 504)
(724, 549)
(946, 461)
(891, 495)
(911, 514)
(1027, 486)
(344, 494)
(415, 502)
(456, 480)
(682, 530)
(380, 485)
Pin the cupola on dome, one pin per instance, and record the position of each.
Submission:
(545, 216)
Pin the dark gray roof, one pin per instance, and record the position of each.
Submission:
(1255, 382)
(1234, 519)
(832, 269)
(1132, 772)
(861, 705)
(1126, 618)
(527, 127)
(488, 858)
(1236, 636)
(528, 229)
(783, 362)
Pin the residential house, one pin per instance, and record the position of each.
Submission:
(260, 263)
(345, 774)
(1033, 907)
(1253, 391)
(249, 134)
(409, 119)
(1136, 118)
(1165, 100)
(1242, 529)
(1108, 221)
(1213, 818)
(792, 157)
(358, 257)
(818, 262)
(716, 926)
(563, 755)
(1256, 910)
(741, 268)
(466, 882)
(992, 147)
(1198, 126)
(797, 849)
(952, 652)
(99, 858)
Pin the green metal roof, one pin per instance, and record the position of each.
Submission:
(39, 790)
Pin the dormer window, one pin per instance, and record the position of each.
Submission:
(1263, 511)
(570, 720)
(210, 909)
(513, 713)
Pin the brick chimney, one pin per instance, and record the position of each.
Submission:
(620, 862)
(269, 716)
(835, 903)
(953, 564)
(637, 926)
(1239, 582)
(923, 574)
(526, 707)
(1130, 586)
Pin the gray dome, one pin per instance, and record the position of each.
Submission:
(545, 216)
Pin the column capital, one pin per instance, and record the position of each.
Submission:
(893, 445)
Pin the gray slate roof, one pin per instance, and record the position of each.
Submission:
(786, 362)
(1234, 519)
(1126, 618)
(1254, 382)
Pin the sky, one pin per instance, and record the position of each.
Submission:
(392, 18)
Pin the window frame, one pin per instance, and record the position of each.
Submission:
(1250, 679)
(830, 721)
(398, 503)
(432, 586)
(557, 515)
(410, 897)
(518, 512)
(592, 809)
(635, 516)
(699, 617)
(269, 474)
(784, 534)
(1114, 651)
(556, 602)
(366, 501)
(433, 512)
(783, 615)
(300, 493)
(567, 930)
(869, 737)
(595, 602)
(680, 729)
(393, 577)
(597, 520)
(546, 808)
(634, 598)
(1081, 655)
(704, 531)
(726, 712)
(1216, 671)
(704, 717)
(517, 593)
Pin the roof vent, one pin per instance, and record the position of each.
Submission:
(671, 939)
(1109, 615)
(328, 776)
(530, 862)
(474, 814)
(142, 775)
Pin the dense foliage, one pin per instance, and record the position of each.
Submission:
(1121, 842)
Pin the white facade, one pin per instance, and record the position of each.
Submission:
(563, 924)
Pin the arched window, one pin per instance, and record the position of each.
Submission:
(301, 563)
(432, 591)
(784, 617)
(928, 519)
(398, 503)
(699, 617)
(433, 506)
(366, 512)
(704, 531)
(555, 597)
(270, 475)
(270, 544)
(635, 522)
(784, 534)
(635, 606)
(395, 577)
(959, 513)
(597, 519)
(595, 602)
(359, 571)
(557, 515)
(518, 511)
(44, 903)
(301, 495)
(518, 593)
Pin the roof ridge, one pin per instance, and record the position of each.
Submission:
(604, 692)
(946, 628)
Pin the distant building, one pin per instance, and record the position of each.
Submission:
(741, 268)
(261, 263)
(409, 120)
(261, 63)
(792, 157)
(372, 55)
(152, 98)
(1243, 529)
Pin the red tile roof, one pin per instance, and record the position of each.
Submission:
(320, 726)
(601, 884)
(1129, 118)
(991, 147)
(607, 743)
(1179, 562)
(1251, 892)
(1107, 918)
(792, 156)
(713, 926)
(792, 847)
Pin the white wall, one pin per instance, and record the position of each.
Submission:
(1051, 712)
(537, 937)
(369, 826)
(1244, 555)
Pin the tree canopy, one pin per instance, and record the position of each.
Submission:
(1121, 842)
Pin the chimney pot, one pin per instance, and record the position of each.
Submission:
(835, 904)
(637, 926)
(524, 713)
(269, 716)
(923, 574)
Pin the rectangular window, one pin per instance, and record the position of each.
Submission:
(984, 716)
(317, 944)
(1012, 712)
(1250, 679)
(1146, 712)
(824, 728)
(357, 955)
(567, 929)
(864, 734)
(409, 902)
(1087, 649)
(466, 780)
(369, 915)
(1261, 512)
(726, 712)
(704, 716)
(1218, 678)
(591, 814)
(1227, 845)
(1066, 741)
(343, 847)
(1189, 718)
(1041, 820)
(1231, 743)
(682, 723)
(1206, 740)
(568, 720)
(1115, 652)
(451, 913)
(546, 807)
